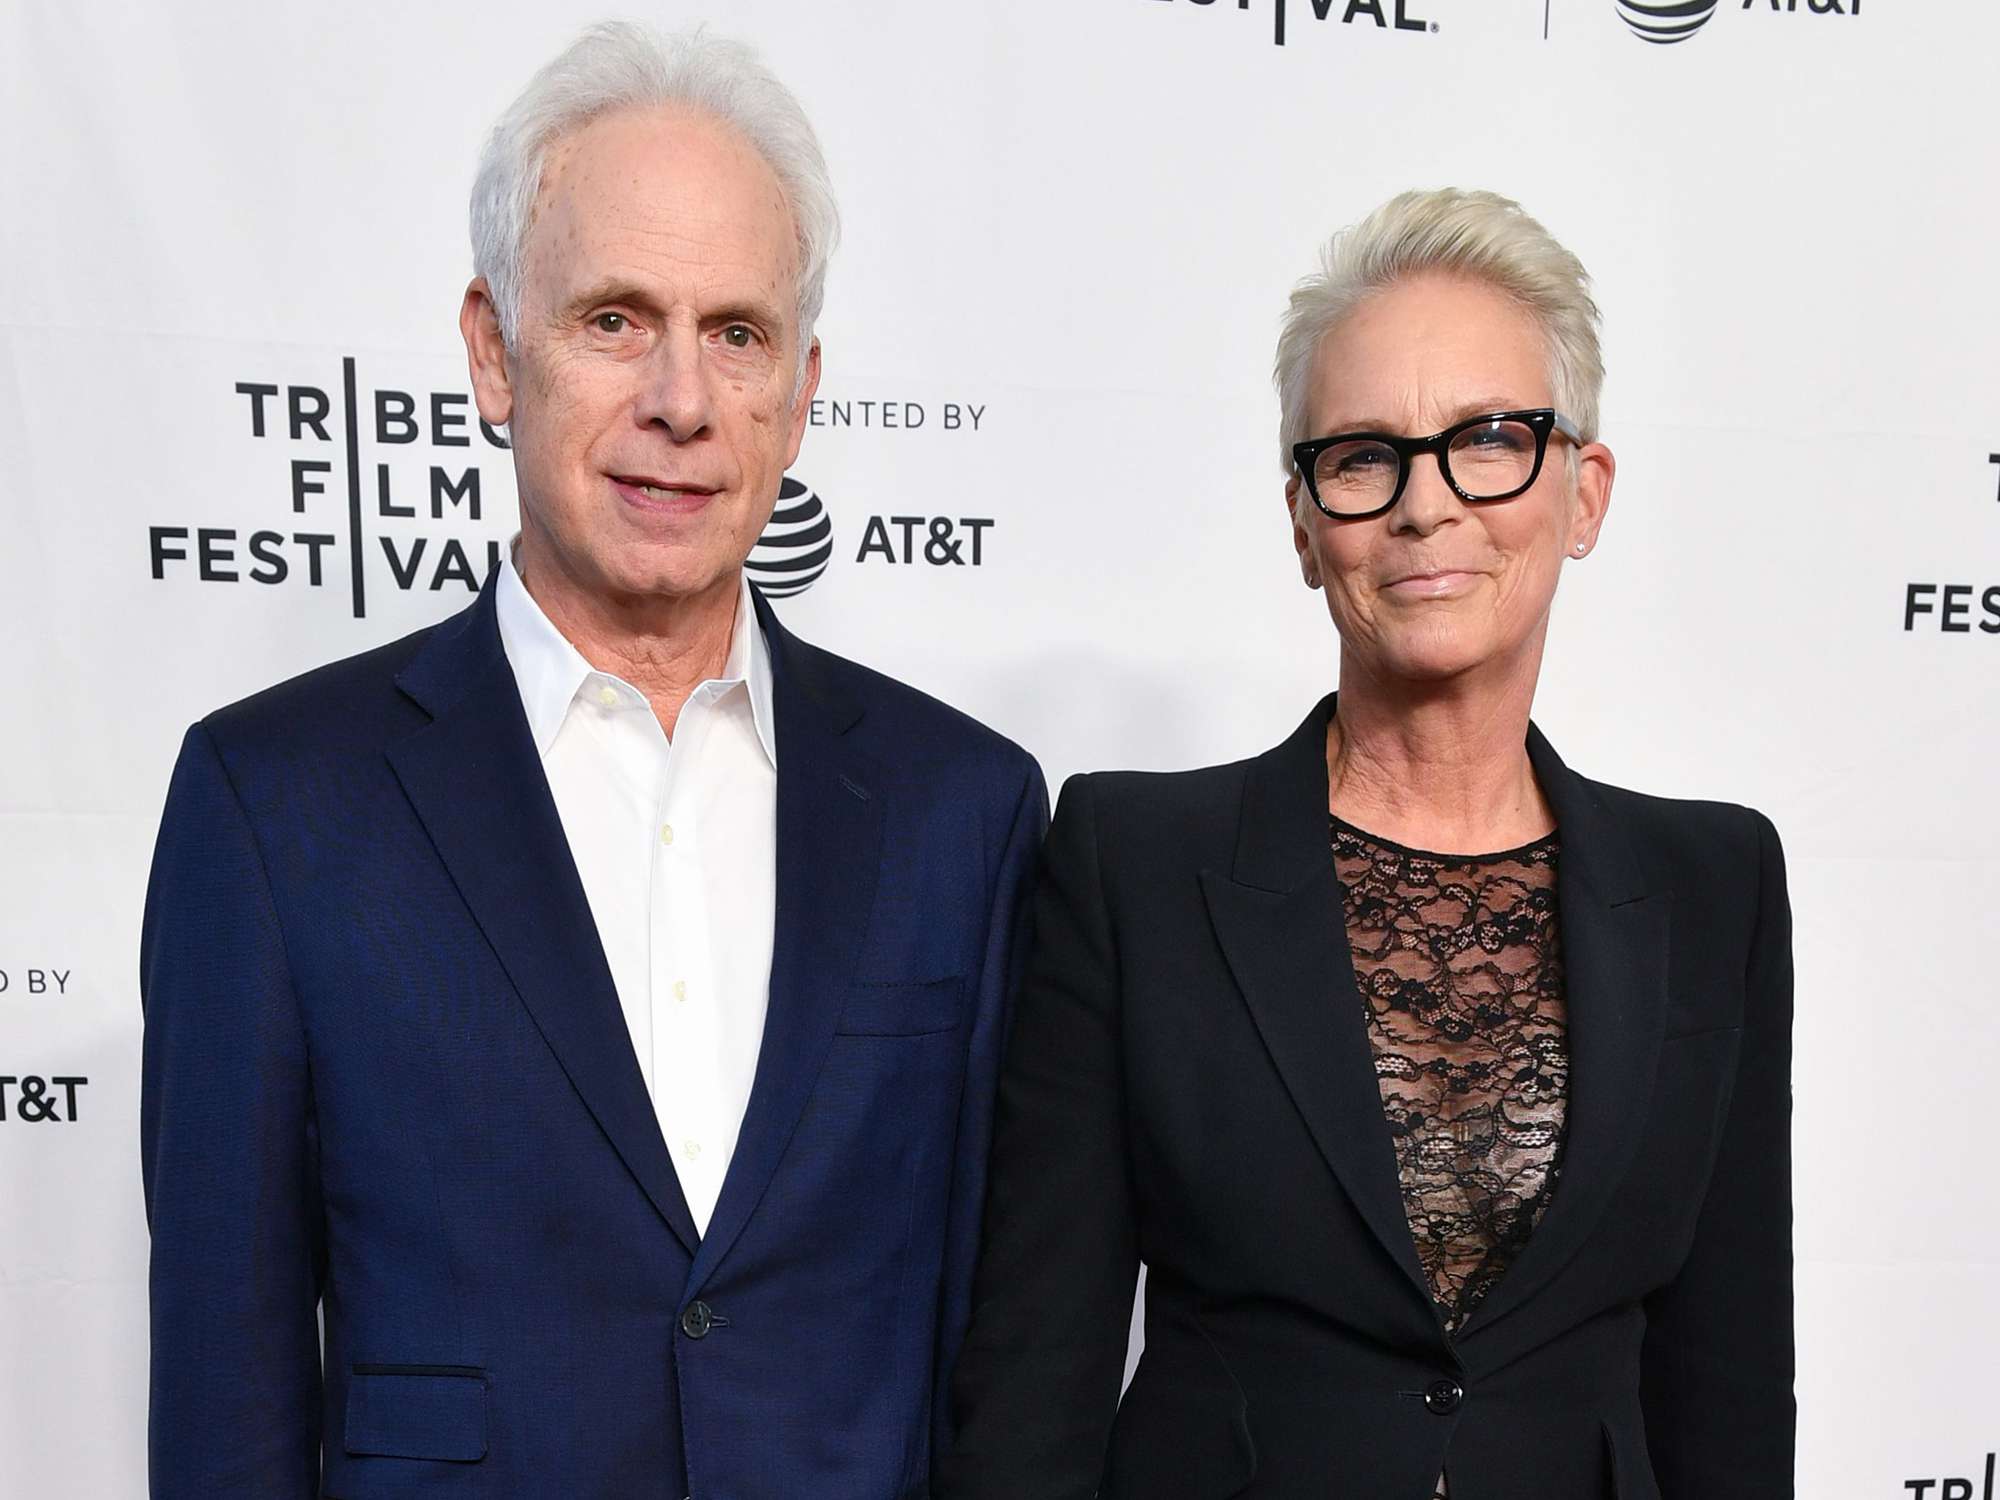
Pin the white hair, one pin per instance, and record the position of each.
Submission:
(618, 65)
(1477, 235)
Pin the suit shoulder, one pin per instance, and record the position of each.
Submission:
(1691, 831)
(337, 705)
(911, 730)
(1163, 814)
(1141, 793)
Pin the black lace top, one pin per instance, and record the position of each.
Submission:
(1459, 963)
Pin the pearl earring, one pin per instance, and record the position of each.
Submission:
(1580, 549)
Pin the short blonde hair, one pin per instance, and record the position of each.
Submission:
(1455, 231)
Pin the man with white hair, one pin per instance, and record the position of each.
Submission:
(571, 1030)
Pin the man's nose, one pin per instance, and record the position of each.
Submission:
(675, 393)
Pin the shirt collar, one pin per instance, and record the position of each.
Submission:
(550, 672)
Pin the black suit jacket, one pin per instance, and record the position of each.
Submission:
(1189, 1083)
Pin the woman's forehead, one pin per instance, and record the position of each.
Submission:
(1438, 347)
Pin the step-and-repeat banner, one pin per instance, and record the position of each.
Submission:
(236, 440)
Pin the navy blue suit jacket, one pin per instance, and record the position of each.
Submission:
(388, 1086)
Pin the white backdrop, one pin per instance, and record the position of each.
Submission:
(1079, 218)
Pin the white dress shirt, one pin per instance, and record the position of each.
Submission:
(677, 846)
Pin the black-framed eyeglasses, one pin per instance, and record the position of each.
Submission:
(1354, 475)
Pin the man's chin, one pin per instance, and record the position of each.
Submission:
(671, 581)
(627, 573)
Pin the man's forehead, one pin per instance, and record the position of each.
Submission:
(642, 149)
(670, 183)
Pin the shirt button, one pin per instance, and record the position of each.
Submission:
(680, 989)
(608, 696)
(666, 833)
(1443, 1397)
(691, 1149)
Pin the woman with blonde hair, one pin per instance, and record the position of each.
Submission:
(1443, 1092)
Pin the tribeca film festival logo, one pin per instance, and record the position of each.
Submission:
(1381, 15)
(1669, 21)
(1950, 607)
(1954, 1489)
(408, 502)
(377, 466)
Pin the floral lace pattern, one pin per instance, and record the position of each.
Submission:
(1459, 964)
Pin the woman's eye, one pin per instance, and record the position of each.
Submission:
(610, 322)
(1499, 436)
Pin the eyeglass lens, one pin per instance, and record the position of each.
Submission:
(1487, 461)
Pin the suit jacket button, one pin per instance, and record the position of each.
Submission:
(697, 1320)
(1443, 1396)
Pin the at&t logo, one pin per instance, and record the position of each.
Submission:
(1665, 21)
(36, 1099)
(796, 546)
(941, 541)
(1668, 21)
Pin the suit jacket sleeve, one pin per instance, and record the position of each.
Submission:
(228, 1162)
(1037, 1385)
(1717, 1369)
(1008, 931)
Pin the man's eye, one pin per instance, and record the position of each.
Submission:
(610, 322)
(737, 336)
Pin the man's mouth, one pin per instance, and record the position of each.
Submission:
(652, 494)
(661, 489)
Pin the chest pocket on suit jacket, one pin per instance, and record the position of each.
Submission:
(902, 1009)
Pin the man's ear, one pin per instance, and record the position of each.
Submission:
(486, 354)
(802, 404)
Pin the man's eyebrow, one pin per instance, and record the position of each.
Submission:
(615, 289)
(747, 310)
(611, 289)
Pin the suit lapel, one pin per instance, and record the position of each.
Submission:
(1614, 938)
(829, 829)
(476, 782)
(1279, 918)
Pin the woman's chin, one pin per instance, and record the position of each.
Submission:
(1435, 658)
